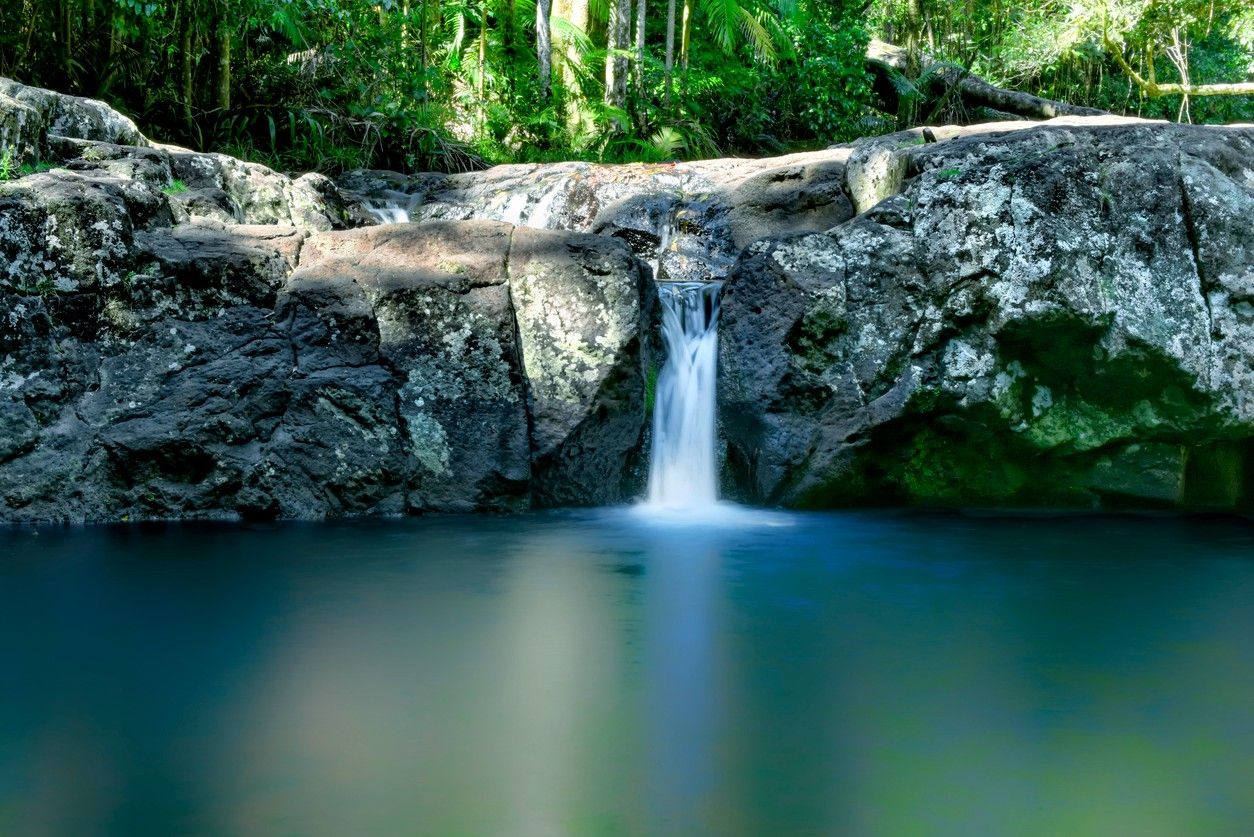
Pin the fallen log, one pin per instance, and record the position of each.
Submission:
(885, 59)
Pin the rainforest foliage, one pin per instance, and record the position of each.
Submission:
(452, 84)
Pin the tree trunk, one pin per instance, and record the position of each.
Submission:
(618, 34)
(883, 58)
(544, 48)
(670, 50)
(574, 12)
(406, 37)
(222, 47)
(641, 12)
(186, 72)
(422, 49)
(507, 25)
(483, 64)
(67, 32)
(1149, 85)
(114, 26)
(683, 36)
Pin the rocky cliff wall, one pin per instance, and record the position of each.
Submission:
(1055, 314)
(184, 335)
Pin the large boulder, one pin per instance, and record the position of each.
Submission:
(30, 115)
(585, 310)
(1053, 315)
(64, 231)
(440, 299)
(88, 137)
(520, 355)
(186, 335)
(150, 391)
(251, 371)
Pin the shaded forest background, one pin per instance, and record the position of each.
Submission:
(455, 84)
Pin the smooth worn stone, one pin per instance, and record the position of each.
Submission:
(690, 219)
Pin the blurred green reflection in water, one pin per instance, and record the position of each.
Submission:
(591, 673)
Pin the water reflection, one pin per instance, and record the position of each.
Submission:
(684, 686)
(596, 673)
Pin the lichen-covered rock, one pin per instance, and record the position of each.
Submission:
(148, 393)
(246, 371)
(197, 270)
(518, 355)
(316, 205)
(1053, 315)
(23, 130)
(227, 189)
(1049, 314)
(584, 308)
(446, 330)
(163, 183)
(32, 114)
(65, 231)
(186, 335)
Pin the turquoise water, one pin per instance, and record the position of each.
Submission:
(592, 673)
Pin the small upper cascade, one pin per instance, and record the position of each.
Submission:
(542, 212)
(514, 209)
(530, 207)
(521, 208)
(390, 210)
(666, 231)
(682, 472)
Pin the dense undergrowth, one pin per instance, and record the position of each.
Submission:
(432, 85)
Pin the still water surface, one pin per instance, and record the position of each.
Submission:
(591, 673)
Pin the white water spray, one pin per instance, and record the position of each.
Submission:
(665, 232)
(390, 210)
(682, 473)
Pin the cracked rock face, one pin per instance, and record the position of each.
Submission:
(520, 355)
(185, 335)
(1057, 315)
(585, 309)
(251, 371)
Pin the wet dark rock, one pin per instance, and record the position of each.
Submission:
(446, 333)
(1052, 315)
(183, 335)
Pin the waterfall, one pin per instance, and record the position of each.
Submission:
(666, 231)
(513, 210)
(682, 472)
(542, 215)
(389, 211)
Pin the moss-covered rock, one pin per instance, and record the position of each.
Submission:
(1056, 314)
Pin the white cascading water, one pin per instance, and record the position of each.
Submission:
(665, 232)
(682, 471)
(517, 209)
(389, 212)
